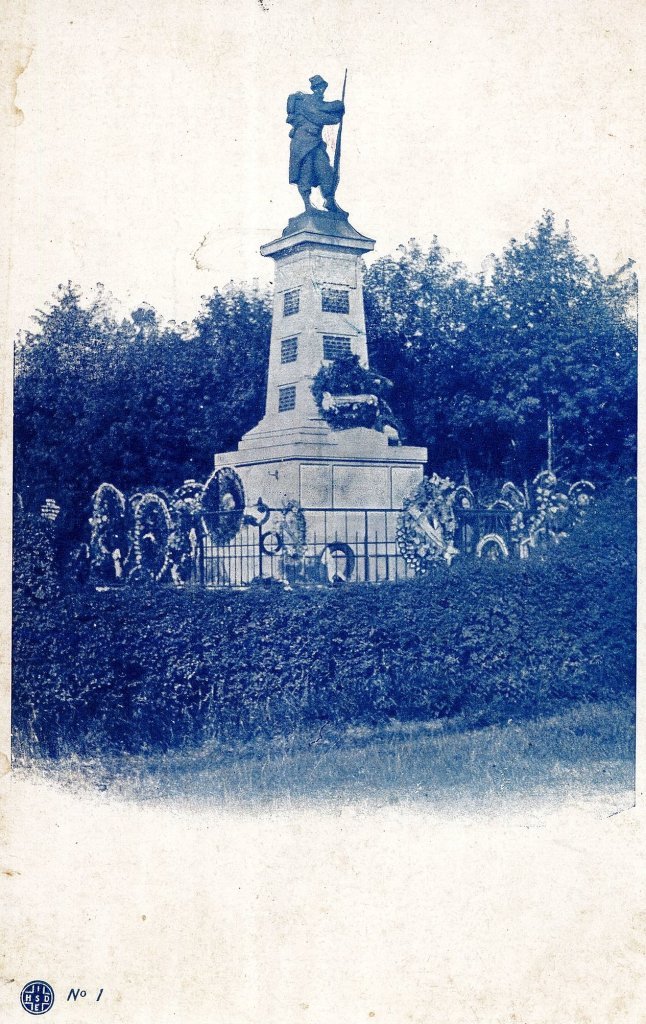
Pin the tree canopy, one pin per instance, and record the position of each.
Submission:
(132, 401)
(542, 344)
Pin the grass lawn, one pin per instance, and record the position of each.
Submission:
(587, 749)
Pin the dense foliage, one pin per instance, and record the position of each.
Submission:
(542, 344)
(134, 402)
(36, 576)
(483, 371)
(150, 669)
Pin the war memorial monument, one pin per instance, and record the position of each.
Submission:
(324, 488)
(318, 316)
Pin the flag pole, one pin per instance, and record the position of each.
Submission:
(337, 148)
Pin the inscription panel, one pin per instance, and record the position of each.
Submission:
(316, 486)
(361, 487)
(333, 270)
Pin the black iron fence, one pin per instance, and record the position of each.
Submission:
(336, 545)
(344, 545)
(485, 532)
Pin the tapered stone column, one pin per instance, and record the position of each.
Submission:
(318, 314)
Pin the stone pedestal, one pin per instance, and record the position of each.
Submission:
(318, 314)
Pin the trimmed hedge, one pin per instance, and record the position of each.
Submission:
(152, 668)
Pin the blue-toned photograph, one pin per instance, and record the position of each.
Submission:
(322, 352)
(367, 533)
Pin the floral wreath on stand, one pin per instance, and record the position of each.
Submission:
(109, 539)
(548, 522)
(517, 525)
(511, 500)
(293, 530)
(464, 497)
(222, 505)
(185, 509)
(152, 534)
(581, 494)
(427, 524)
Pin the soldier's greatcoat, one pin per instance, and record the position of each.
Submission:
(308, 113)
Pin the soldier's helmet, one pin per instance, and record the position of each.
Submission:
(316, 82)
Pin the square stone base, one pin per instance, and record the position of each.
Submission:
(323, 468)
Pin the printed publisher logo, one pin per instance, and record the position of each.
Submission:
(37, 997)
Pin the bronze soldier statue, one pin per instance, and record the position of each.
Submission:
(309, 164)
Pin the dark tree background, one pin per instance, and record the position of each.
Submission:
(540, 351)
(542, 344)
(132, 402)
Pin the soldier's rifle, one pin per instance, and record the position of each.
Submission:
(337, 149)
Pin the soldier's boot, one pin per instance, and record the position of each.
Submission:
(332, 206)
(305, 196)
